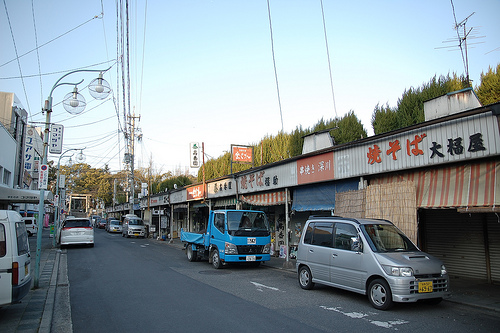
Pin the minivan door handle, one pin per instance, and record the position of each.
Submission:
(334, 255)
(311, 251)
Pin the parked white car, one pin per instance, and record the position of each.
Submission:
(77, 231)
(31, 225)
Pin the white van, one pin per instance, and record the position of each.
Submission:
(371, 257)
(15, 269)
(31, 225)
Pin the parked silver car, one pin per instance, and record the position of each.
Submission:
(370, 257)
(114, 225)
(133, 226)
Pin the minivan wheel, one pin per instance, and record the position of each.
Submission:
(216, 262)
(305, 278)
(380, 295)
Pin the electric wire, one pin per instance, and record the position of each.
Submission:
(328, 57)
(274, 64)
(18, 62)
(50, 41)
(37, 53)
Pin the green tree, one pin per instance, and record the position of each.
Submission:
(488, 91)
(410, 107)
(384, 119)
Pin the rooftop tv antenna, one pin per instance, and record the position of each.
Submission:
(463, 34)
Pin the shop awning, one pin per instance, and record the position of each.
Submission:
(265, 199)
(320, 196)
(469, 185)
(14, 195)
(225, 202)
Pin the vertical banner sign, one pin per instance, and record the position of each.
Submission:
(62, 181)
(56, 138)
(43, 176)
(195, 154)
(29, 151)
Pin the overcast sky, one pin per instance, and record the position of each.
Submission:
(202, 71)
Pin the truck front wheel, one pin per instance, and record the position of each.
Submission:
(216, 259)
(191, 255)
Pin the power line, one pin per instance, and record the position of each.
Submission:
(50, 41)
(274, 64)
(17, 58)
(328, 57)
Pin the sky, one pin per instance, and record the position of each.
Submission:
(203, 71)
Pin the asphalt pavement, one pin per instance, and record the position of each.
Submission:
(47, 309)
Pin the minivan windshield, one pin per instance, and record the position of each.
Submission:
(245, 223)
(387, 238)
(135, 222)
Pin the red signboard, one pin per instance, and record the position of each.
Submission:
(315, 168)
(195, 192)
(242, 154)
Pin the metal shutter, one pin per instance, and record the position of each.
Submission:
(458, 240)
(494, 245)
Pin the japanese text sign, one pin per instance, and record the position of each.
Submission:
(315, 168)
(195, 192)
(242, 154)
(56, 138)
(194, 154)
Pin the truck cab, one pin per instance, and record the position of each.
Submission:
(232, 236)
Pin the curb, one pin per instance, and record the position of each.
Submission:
(48, 310)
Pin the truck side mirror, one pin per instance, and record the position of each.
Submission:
(356, 244)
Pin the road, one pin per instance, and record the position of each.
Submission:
(130, 285)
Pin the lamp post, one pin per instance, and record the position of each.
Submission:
(74, 103)
(56, 215)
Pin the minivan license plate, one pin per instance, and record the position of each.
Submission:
(251, 258)
(425, 287)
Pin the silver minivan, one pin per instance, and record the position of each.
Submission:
(371, 257)
(133, 226)
(15, 268)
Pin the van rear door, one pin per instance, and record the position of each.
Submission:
(15, 270)
(5, 266)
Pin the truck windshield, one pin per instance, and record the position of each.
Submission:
(245, 223)
(387, 238)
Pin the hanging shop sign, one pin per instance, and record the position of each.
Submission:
(241, 154)
(195, 154)
(56, 138)
(29, 151)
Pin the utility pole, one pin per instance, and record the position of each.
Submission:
(131, 142)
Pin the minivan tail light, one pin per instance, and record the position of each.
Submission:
(15, 273)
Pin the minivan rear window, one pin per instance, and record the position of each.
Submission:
(76, 224)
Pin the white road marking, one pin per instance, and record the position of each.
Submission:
(261, 286)
(359, 315)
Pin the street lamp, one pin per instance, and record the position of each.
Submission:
(74, 103)
(81, 159)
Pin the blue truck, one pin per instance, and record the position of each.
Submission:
(232, 236)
